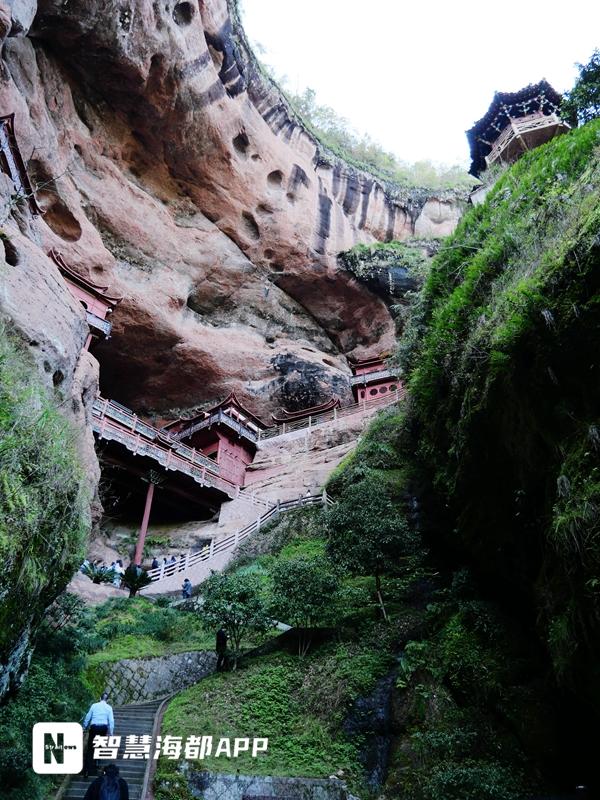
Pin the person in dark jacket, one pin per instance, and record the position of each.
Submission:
(221, 650)
(108, 786)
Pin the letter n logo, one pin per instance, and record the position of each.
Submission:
(54, 748)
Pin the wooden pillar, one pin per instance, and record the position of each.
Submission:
(139, 548)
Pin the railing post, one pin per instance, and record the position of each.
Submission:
(187, 560)
(324, 498)
(134, 423)
(211, 549)
(309, 422)
(258, 524)
(334, 413)
(283, 428)
(162, 571)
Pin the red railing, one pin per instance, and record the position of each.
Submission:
(216, 546)
(332, 416)
(114, 422)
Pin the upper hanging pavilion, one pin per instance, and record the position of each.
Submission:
(515, 122)
(228, 433)
(95, 299)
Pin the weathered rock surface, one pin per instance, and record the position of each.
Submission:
(172, 170)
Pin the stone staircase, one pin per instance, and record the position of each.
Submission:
(134, 719)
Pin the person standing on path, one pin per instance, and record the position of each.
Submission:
(221, 650)
(108, 786)
(186, 589)
(101, 722)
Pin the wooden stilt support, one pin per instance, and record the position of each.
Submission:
(139, 548)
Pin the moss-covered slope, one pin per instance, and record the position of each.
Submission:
(505, 396)
(44, 513)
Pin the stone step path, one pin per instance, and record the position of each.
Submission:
(133, 719)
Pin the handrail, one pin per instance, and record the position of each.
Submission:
(219, 417)
(208, 551)
(142, 439)
(337, 413)
(365, 377)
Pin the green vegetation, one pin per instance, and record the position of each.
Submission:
(235, 602)
(135, 579)
(138, 628)
(511, 317)
(335, 132)
(303, 591)
(44, 508)
(582, 103)
(54, 691)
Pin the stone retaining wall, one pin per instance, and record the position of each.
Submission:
(217, 786)
(134, 680)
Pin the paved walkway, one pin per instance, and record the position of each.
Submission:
(134, 719)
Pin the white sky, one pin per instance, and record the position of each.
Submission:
(415, 75)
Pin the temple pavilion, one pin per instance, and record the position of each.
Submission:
(371, 379)
(228, 433)
(95, 299)
(514, 123)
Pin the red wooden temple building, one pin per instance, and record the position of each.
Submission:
(515, 122)
(95, 299)
(227, 433)
(372, 379)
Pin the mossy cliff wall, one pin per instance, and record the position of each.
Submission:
(503, 355)
(44, 506)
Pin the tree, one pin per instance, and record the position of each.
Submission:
(98, 574)
(134, 579)
(582, 103)
(235, 603)
(368, 534)
(302, 593)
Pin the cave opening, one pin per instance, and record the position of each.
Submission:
(183, 14)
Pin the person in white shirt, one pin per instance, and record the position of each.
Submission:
(100, 721)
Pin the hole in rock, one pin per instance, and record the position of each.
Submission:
(59, 219)
(264, 208)
(255, 157)
(56, 213)
(241, 143)
(58, 377)
(10, 251)
(125, 19)
(211, 216)
(329, 362)
(269, 253)
(78, 149)
(250, 226)
(183, 13)
(291, 197)
(275, 178)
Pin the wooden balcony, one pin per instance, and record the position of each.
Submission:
(525, 133)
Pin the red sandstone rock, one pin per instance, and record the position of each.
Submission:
(170, 169)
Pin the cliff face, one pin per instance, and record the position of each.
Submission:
(172, 170)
